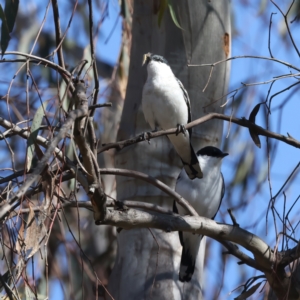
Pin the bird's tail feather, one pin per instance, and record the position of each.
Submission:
(192, 168)
(187, 264)
(187, 268)
(190, 248)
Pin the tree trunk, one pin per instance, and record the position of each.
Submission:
(147, 263)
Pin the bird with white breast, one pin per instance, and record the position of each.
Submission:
(205, 195)
(166, 105)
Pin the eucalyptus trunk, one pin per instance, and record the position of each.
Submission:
(147, 263)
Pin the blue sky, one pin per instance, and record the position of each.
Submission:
(250, 38)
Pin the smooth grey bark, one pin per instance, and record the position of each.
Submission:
(147, 262)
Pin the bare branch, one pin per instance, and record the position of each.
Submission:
(130, 173)
(242, 122)
(288, 256)
(81, 111)
(108, 104)
(123, 206)
(45, 143)
(247, 56)
(132, 218)
(269, 39)
(93, 62)
(65, 33)
(287, 24)
(58, 33)
(41, 27)
(235, 251)
(36, 59)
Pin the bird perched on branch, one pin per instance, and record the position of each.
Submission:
(166, 105)
(205, 195)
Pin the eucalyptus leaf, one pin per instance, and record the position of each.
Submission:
(11, 11)
(252, 117)
(5, 37)
(8, 17)
(35, 126)
(173, 14)
(248, 293)
(161, 11)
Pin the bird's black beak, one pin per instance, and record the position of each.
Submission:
(224, 154)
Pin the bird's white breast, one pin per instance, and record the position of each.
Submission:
(163, 101)
(203, 194)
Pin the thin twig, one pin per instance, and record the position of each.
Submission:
(108, 104)
(235, 251)
(40, 27)
(6, 287)
(93, 62)
(282, 91)
(247, 56)
(156, 265)
(287, 180)
(159, 184)
(287, 24)
(269, 39)
(58, 39)
(32, 58)
(66, 31)
(45, 143)
(288, 256)
(15, 200)
(270, 80)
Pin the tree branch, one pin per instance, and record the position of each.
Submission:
(242, 122)
(32, 58)
(13, 202)
(159, 184)
(93, 62)
(247, 56)
(122, 207)
(132, 218)
(45, 143)
(58, 34)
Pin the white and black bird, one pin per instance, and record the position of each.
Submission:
(166, 105)
(205, 195)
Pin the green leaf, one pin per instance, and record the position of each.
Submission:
(63, 95)
(173, 14)
(249, 292)
(5, 37)
(252, 117)
(255, 138)
(11, 10)
(70, 154)
(8, 17)
(29, 294)
(2, 15)
(35, 126)
(254, 113)
(262, 6)
(162, 7)
(244, 166)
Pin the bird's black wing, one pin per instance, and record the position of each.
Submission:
(188, 103)
(222, 195)
(175, 210)
(223, 189)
